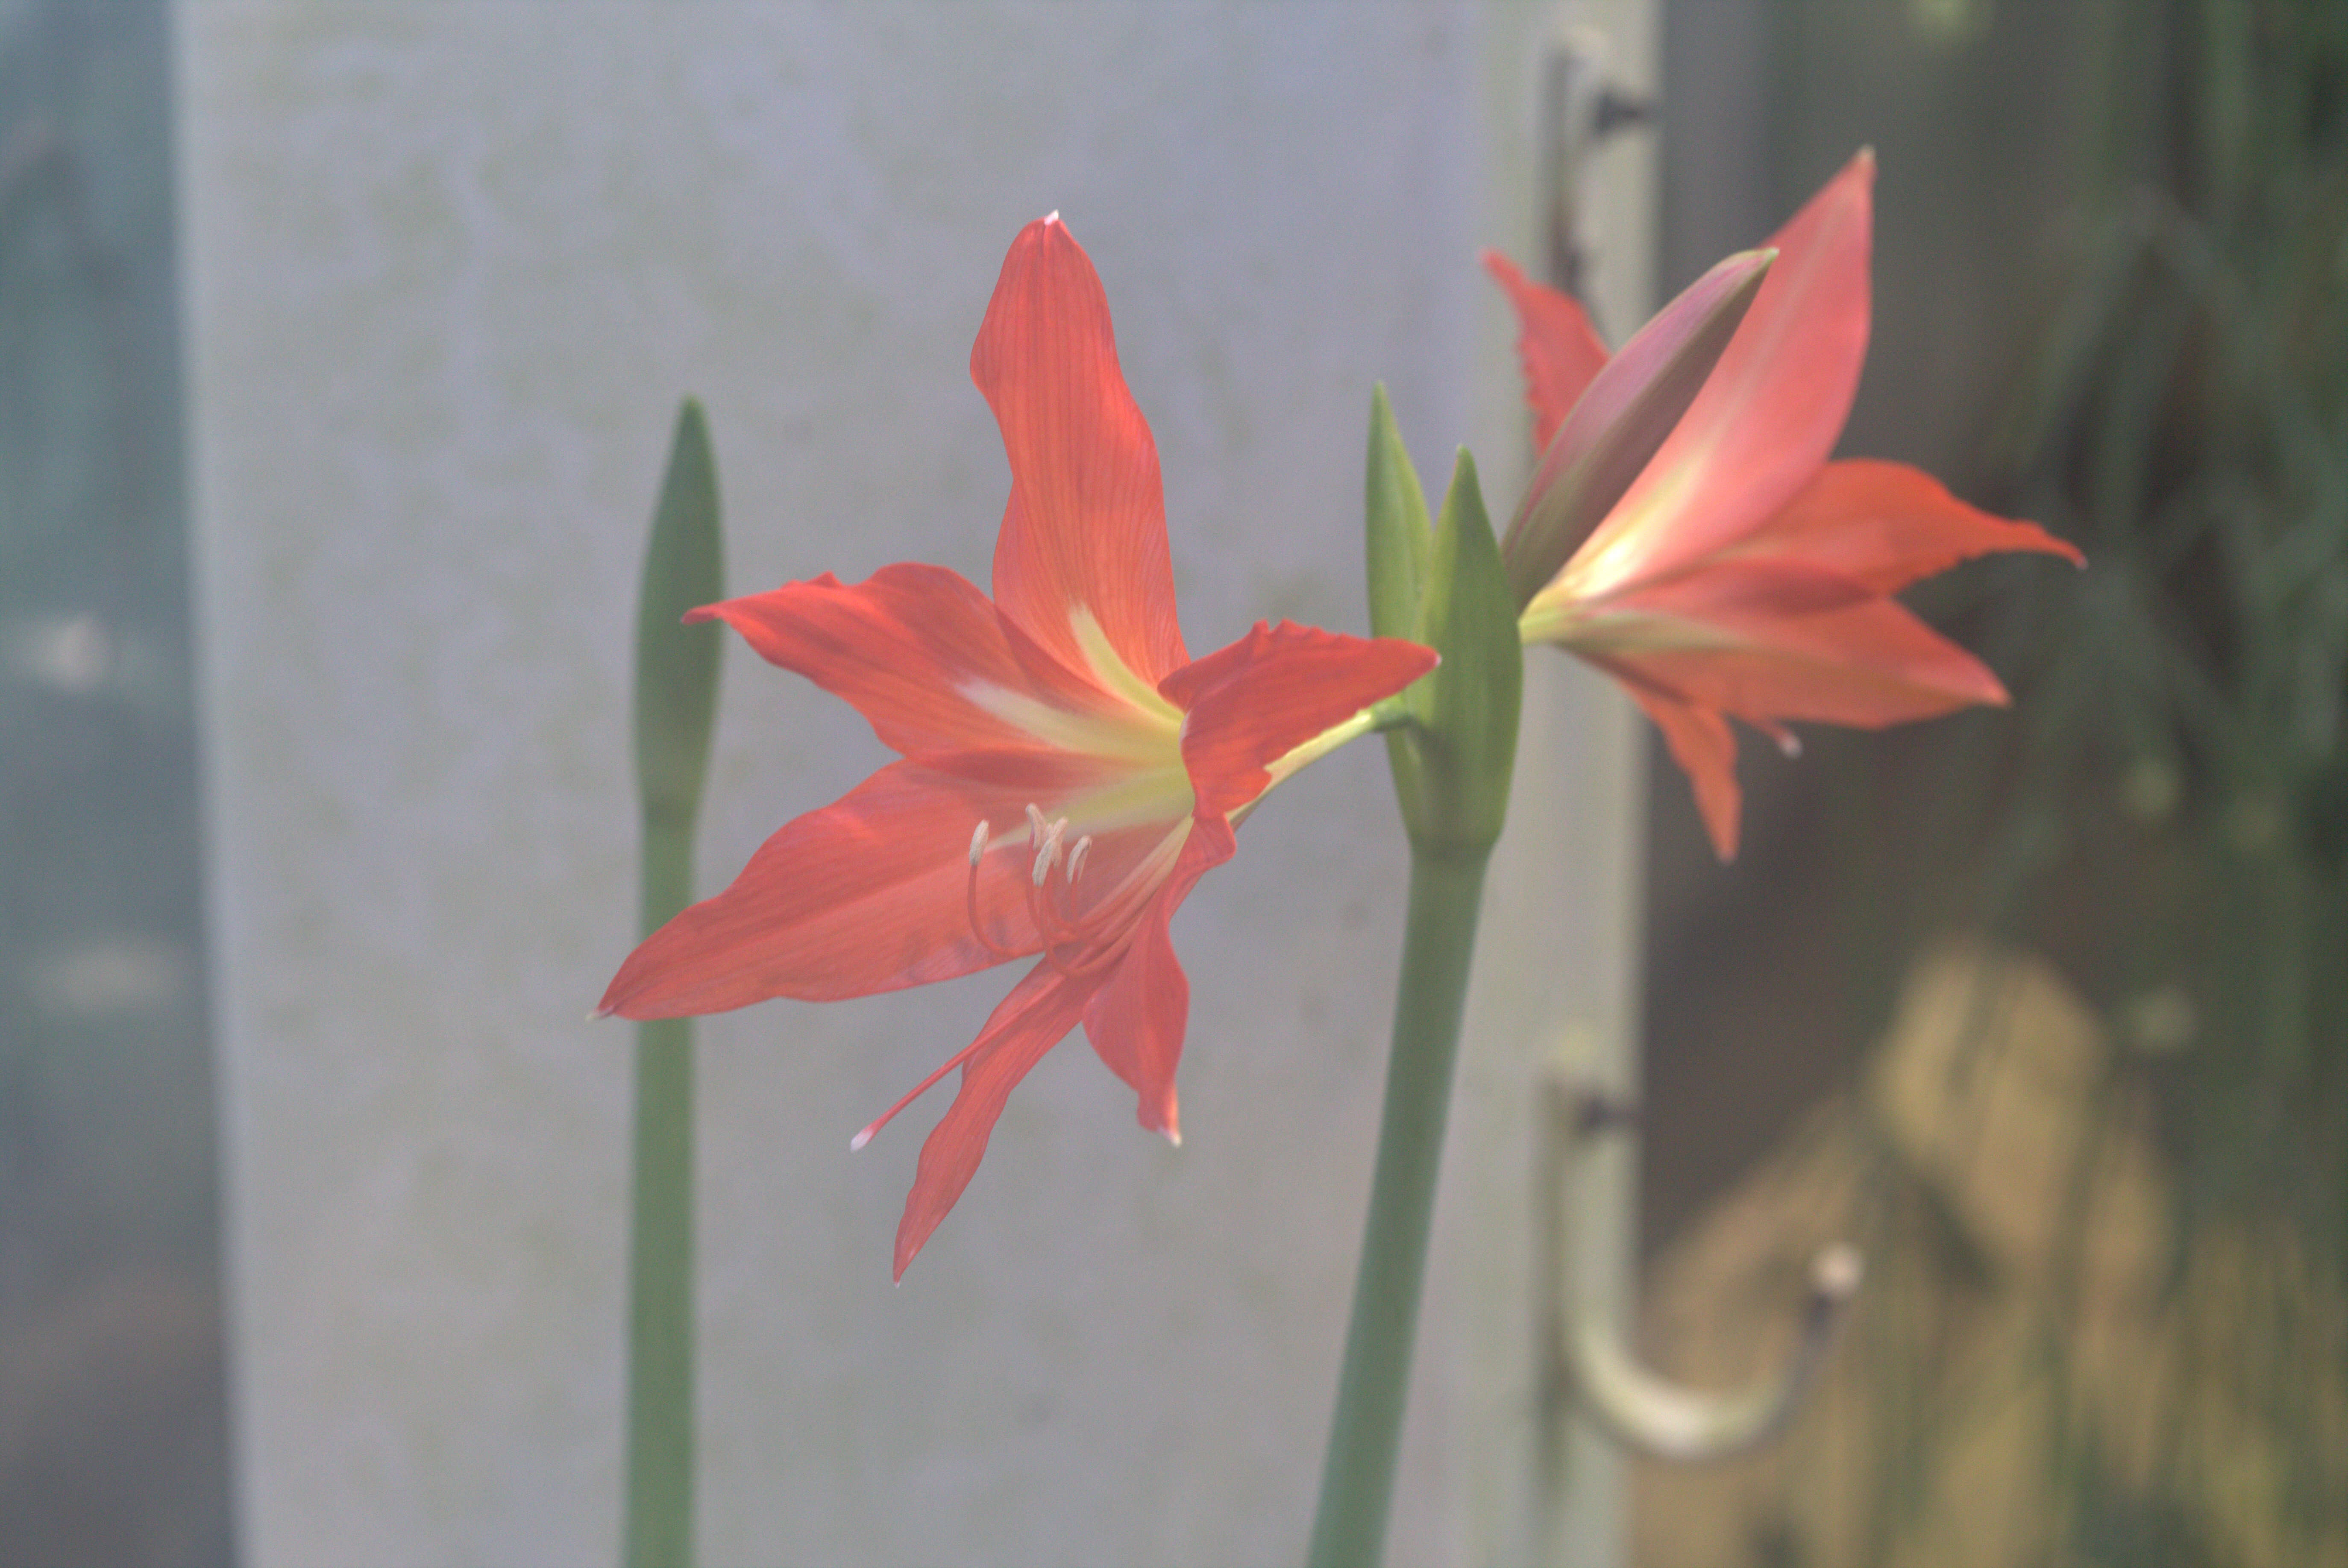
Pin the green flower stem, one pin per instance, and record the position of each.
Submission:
(660, 1295)
(1438, 941)
(1452, 756)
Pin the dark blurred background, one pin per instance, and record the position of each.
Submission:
(113, 1439)
(2048, 1007)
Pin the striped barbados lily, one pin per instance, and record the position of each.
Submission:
(1740, 574)
(1068, 771)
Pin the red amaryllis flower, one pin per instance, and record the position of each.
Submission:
(1068, 771)
(1743, 575)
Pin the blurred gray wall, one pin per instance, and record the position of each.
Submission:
(450, 268)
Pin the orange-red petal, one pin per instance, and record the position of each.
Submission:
(1776, 401)
(1867, 664)
(1559, 350)
(1037, 1016)
(1136, 1019)
(870, 894)
(1085, 530)
(906, 646)
(1705, 748)
(1887, 524)
(1251, 702)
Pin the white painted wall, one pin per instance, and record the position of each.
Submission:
(448, 270)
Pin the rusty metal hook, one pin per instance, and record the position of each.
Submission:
(1637, 1408)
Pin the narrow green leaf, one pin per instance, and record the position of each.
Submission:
(676, 664)
(677, 701)
(1399, 535)
(1452, 768)
(1622, 417)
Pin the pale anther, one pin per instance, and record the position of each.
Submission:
(1050, 852)
(978, 841)
(1076, 857)
(1035, 823)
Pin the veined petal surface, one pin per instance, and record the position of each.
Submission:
(1136, 1021)
(911, 647)
(1037, 1016)
(1867, 664)
(870, 894)
(1250, 704)
(1084, 536)
(1885, 525)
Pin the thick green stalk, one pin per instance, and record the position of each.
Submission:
(1438, 942)
(660, 1301)
(1452, 753)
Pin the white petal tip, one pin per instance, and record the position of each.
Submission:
(1174, 1136)
(1053, 217)
(860, 1140)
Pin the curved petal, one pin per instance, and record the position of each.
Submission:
(1866, 665)
(1136, 1021)
(1084, 536)
(1775, 403)
(907, 647)
(1705, 748)
(1037, 1016)
(870, 894)
(1251, 702)
(1760, 587)
(1626, 414)
(1559, 350)
(1887, 524)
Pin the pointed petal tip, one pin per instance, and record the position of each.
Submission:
(857, 1143)
(1052, 219)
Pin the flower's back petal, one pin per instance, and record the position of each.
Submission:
(906, 646)
(870, 894)
(1867, 664)
(1629, 410)
(1558, 348)
(1085, 531)
(1136, 1021)
(1887, 524)
(1251, 702)
(1036, 1016)
(1775, 405)
(1705, 748)
(1763, 586)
